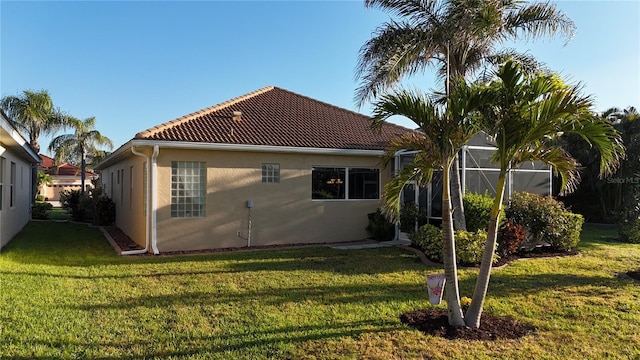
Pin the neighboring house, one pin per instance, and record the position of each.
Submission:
(270, 167)
(17, 160)
(63, 177)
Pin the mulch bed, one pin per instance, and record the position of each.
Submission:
(126, 243)
(121, 239)
(435, 322)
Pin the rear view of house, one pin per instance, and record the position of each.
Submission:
(17, 160)
(270, 167)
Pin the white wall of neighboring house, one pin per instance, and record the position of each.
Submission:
(17, 160)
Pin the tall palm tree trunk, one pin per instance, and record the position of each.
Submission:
(449, 255)
(472, 317)
(460, 222)
(83, 167)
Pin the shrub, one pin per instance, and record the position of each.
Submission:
(469, 246)
(428, 238)
(545, 220)
(409, 214)
(40, 210)
(379, 227)
(105, 211)
(40, 197)
(70, 200)
(630, 231)
(510, 237)
(477, 211)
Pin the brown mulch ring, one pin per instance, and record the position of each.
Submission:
(436, 323)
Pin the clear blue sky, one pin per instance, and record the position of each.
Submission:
(134, 65)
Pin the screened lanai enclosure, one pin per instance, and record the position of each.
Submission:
(478, 175)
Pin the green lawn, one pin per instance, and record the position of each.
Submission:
(66, 295)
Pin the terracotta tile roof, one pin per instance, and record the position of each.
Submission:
(276, 117)
(48, 167)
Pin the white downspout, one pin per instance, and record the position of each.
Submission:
(153, 199)
(396, 171)
(147, 190)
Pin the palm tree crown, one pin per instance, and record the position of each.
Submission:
(458, 35)
(83, 142)
(33, 112)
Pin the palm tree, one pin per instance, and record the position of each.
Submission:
(84, 141)
(33, 112)
(458, 35)
(441, 135)
(526, 116)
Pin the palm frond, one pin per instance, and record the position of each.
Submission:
(538, 20)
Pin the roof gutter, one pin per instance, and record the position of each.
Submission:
(123, 150)
(148, 191)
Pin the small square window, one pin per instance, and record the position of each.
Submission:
(270, 173)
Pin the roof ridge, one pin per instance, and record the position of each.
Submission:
(158, 128)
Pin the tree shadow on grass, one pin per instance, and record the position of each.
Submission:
(276, 296)
(219, 343)
(77, 245)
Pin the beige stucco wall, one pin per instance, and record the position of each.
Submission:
(61, 183)
(127, 194)
(283, 213)
(14, 218)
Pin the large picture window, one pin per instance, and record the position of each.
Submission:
(188, 189)
(340, 183)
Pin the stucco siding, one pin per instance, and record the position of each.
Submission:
(283, 213)
(123, 183)
(14, 215)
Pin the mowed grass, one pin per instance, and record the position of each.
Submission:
(66, 295)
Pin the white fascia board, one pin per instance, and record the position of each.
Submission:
(13, 134)
(126, 149)
(256, 148)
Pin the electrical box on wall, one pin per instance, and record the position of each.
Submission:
(249, 204)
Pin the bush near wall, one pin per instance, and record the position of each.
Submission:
(545, 220)
(93, 208)
(379, 228)
(40, 210)
(409, 214)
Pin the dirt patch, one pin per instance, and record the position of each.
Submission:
(436, 323)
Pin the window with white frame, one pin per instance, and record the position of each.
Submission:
(12, 185)
(345, 183)
(270, 173)
(188, 188)
(2, 164)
